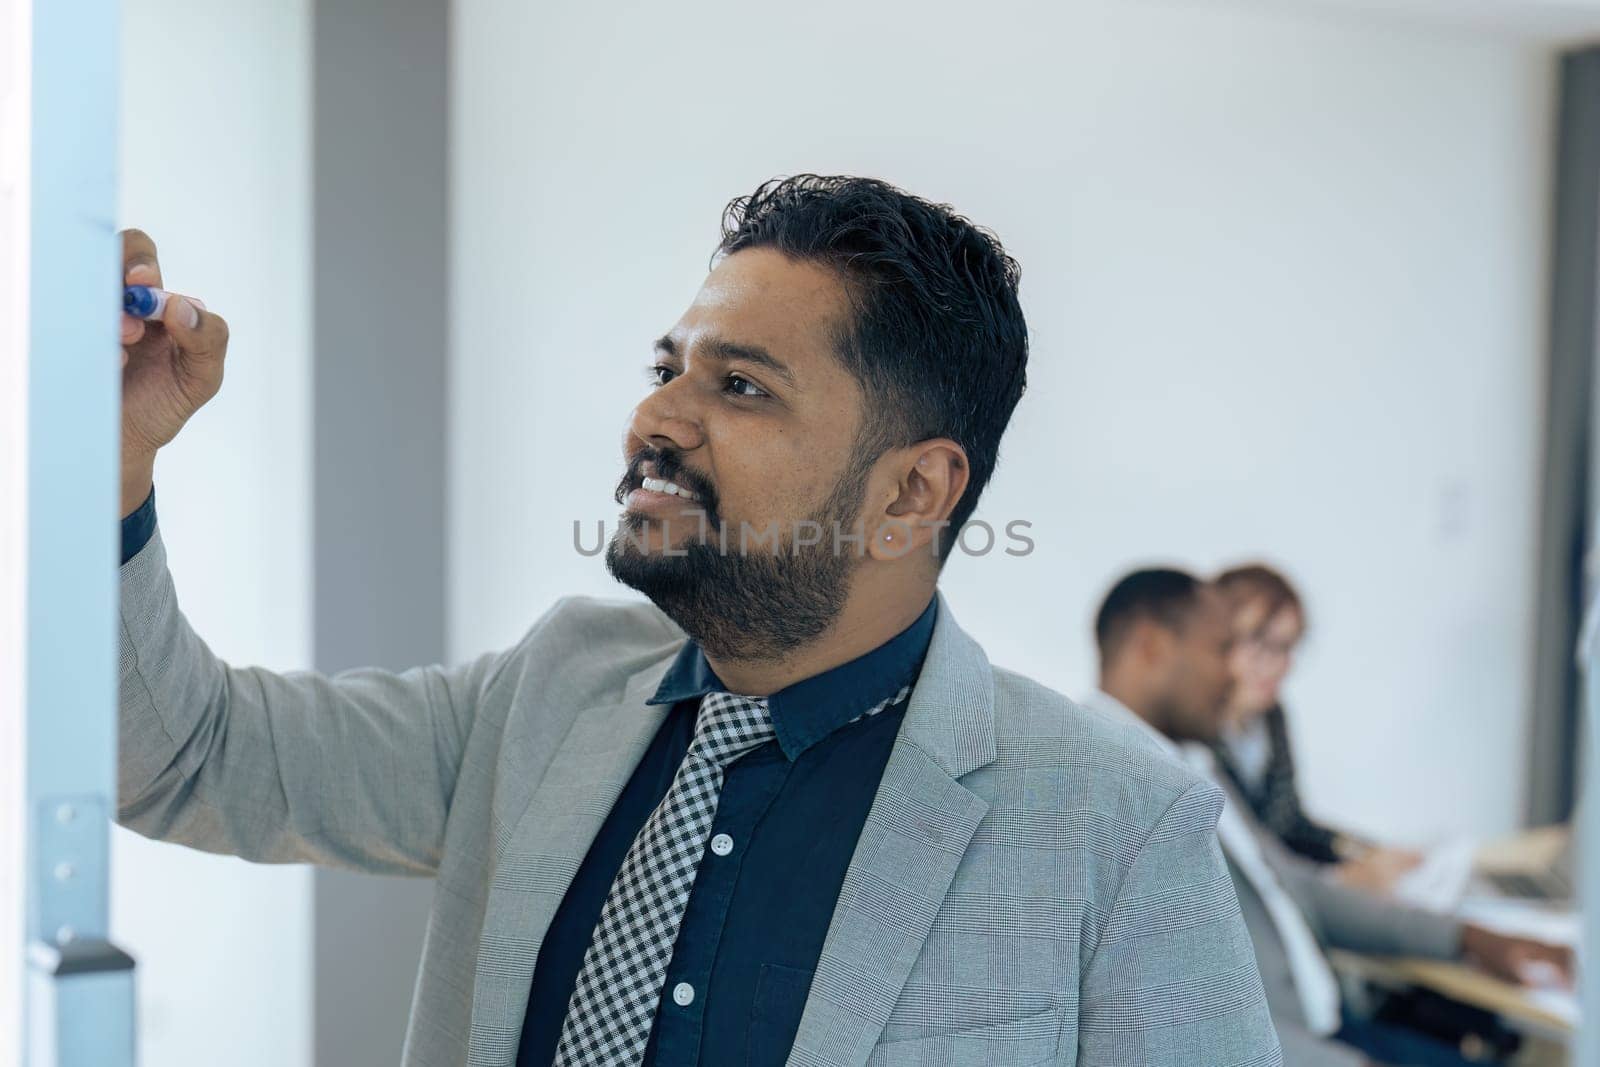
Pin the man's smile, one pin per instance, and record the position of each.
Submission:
(659, 485)
(659, 496)
(645, 491)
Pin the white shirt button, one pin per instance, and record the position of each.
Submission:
(722, 844)
(683, 994)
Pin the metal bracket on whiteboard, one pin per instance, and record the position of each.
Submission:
(71, 861)
(80, 1005)
(80, 986)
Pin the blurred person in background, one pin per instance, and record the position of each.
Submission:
(1166, 642)
(1268, 620)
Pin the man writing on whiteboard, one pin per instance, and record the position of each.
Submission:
(786, 811)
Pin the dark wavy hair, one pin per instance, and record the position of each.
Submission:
(938, 335)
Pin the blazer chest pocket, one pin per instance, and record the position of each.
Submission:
(1027, 1042)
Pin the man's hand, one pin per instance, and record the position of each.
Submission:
(1517, 959)
(170, 368)
(1378, 870)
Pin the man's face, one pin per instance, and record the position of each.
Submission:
(749, 399)
(1198, 677)
(751, 412)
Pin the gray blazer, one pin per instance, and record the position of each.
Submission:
(1032, 886)
(1341, 917)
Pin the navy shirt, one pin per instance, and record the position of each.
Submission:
(753, 929)
(139, 526)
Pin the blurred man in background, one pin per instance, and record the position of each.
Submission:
(1164, 639)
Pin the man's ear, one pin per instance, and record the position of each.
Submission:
(1152, 643)
(925, 483)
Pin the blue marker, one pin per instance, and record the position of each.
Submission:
(144, 301)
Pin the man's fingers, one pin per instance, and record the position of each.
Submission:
(1541, 974)
(132, 330)
(1541, 965)
(197, 332)
(1564, 960)
(139, 263)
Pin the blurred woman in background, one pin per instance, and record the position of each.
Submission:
(1268, 622)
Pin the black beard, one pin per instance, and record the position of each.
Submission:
(760, 604)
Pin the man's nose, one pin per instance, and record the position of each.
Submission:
(667, 418)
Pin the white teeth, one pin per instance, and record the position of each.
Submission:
(658, 485)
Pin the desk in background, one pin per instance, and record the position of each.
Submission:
(1547, 1020)
(1546, 1024)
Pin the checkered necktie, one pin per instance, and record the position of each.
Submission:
(614, 1002)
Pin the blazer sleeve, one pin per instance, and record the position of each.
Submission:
(1354, 919)
(1174, 970)
(354, 770)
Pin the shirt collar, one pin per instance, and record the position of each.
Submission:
(1197, 756)
(811, 709)
(1109, 706)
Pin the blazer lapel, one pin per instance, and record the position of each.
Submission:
(915, 836)
(539, 854)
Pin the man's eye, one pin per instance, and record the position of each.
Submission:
(661, 374)
(741, 386)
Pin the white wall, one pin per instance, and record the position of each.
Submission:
(215, 166)
(1284, 277)
(15, 157)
